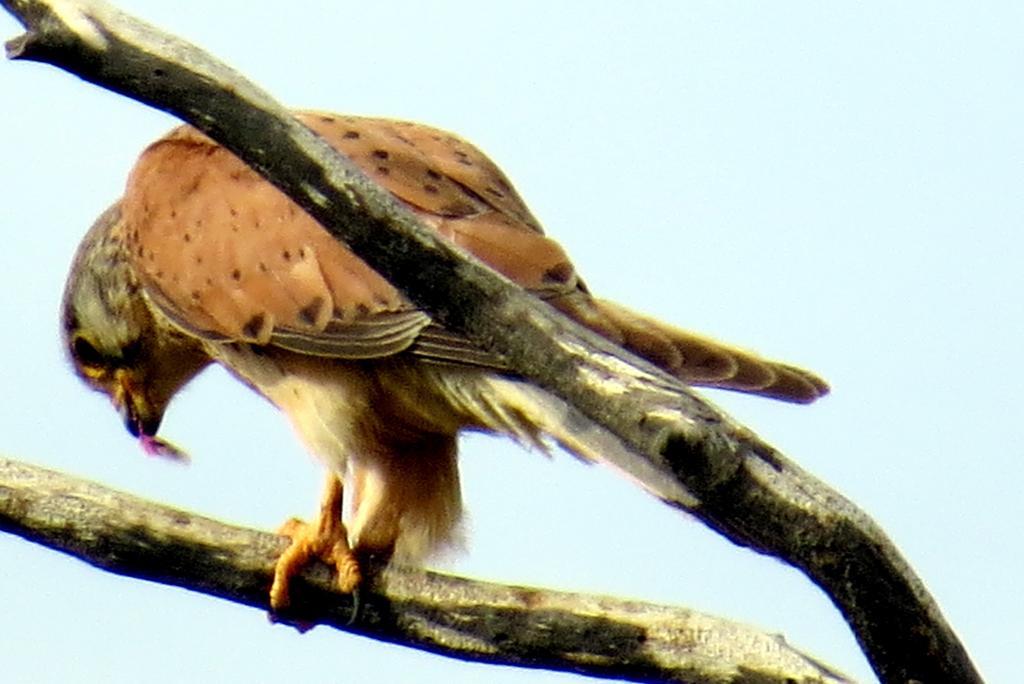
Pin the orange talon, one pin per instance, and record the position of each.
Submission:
(327, 541)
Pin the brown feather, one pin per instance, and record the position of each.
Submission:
(232, 257)
(697, 360)
(227, 255)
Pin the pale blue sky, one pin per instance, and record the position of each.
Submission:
(835, 185)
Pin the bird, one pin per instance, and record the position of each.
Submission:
(201, 261)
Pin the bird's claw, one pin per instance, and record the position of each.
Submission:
(326, 541)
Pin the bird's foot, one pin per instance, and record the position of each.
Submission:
(307, 545)
(327, 541)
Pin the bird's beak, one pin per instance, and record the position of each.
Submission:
(141, 418)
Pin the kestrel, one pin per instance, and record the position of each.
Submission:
(202, 261)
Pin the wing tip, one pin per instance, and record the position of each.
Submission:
(796, 385)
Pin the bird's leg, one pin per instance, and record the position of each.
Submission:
(327, 540)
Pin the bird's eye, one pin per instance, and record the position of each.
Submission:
(86, 354)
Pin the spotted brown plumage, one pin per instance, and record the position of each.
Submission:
(202, 261)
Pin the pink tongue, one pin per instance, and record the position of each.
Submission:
(154, 446)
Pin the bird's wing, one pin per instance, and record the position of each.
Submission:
(228, 256)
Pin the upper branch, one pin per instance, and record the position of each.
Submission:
(681, 447)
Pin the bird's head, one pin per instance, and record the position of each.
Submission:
(115, 343)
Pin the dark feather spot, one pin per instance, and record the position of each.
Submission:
(195, 295)
(309, 313)
(495, 192)
(236, 275)
(430, 188)
(263, 267)
(187, 237)
(431, 173)
(559, 273)
(351, 135)
(326, 119)
(383, 170)
(381, 154)
(254, 326)
(286, 255)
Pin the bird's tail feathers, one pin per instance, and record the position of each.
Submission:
(694, 359)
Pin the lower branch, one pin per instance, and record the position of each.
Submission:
(452, 616)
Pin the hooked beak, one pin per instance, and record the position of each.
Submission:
(141, 418)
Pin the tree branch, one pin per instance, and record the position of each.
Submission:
(683, 449)
(456, 617)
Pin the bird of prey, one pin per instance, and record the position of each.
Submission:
(202, 261)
